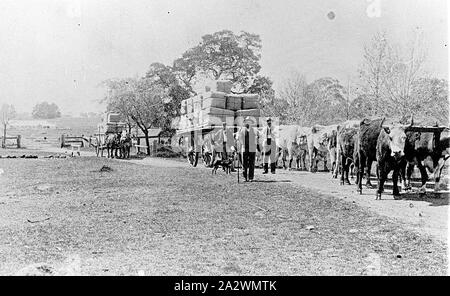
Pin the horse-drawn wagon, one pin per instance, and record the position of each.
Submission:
(108, 135)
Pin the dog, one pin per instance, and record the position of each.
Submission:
(224, 163)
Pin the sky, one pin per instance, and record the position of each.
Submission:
(61, 50)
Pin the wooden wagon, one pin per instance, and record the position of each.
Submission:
(111, 125)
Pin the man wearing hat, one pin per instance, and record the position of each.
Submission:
(247, 137)
(269, 151)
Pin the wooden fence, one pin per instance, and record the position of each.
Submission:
(66, 140)
(17, 139)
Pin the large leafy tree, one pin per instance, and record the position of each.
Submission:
(46, 110)
(139, 99)
(166, 78)
(389, 76)
(319, 102)
(222, 55)
(373, 70)
(429, 99)
(327, 101)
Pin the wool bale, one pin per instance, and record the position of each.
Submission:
(183, 123)
(241, 101)
(213, 102)
(197, 103)
(113, 128)
(214, 119)
(250, 101)
(209, 99)
(112, 117)
(233, 102)
(249, 112)
(212, 115)
(217, 111)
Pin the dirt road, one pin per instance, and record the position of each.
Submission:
(428, 214)
(69, 216)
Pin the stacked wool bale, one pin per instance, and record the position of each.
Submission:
(112, 123)
(218, 106)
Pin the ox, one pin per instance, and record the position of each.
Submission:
(365, 149)
(421, 146)
(292, 142)
(390, 156)
(349, 124)
(347, 136)
(318, 141)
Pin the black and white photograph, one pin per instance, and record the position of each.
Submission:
(224, 138)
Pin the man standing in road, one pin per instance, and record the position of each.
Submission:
(269, 151)
(247, 137)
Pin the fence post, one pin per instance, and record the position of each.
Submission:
(18, 140)
(155, 144)
(62, 140)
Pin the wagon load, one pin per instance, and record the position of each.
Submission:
(111, 123)
(206, 111)
(241, 102)
(112, 117)
(215, 116)
(112, 128)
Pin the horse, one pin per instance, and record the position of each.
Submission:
(125, 145)
(112, 142)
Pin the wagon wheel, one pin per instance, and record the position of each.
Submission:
(193, 158)
(207, 158)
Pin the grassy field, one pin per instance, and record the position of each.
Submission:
(66, 216)
(44, 137)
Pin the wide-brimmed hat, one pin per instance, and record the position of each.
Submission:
(269, 119)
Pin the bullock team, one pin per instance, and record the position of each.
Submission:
(353, 146)
(395, 148)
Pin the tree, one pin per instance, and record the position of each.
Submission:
(222, 55)
(389, 73)
(45, 110)
(429, 100)
(404, 70)
(327, 101)
(139, 99)
(166, 78)
(7, 112)
(373, 70)
(362, 106)
(320, 102)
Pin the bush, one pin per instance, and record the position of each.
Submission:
(166, 152)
